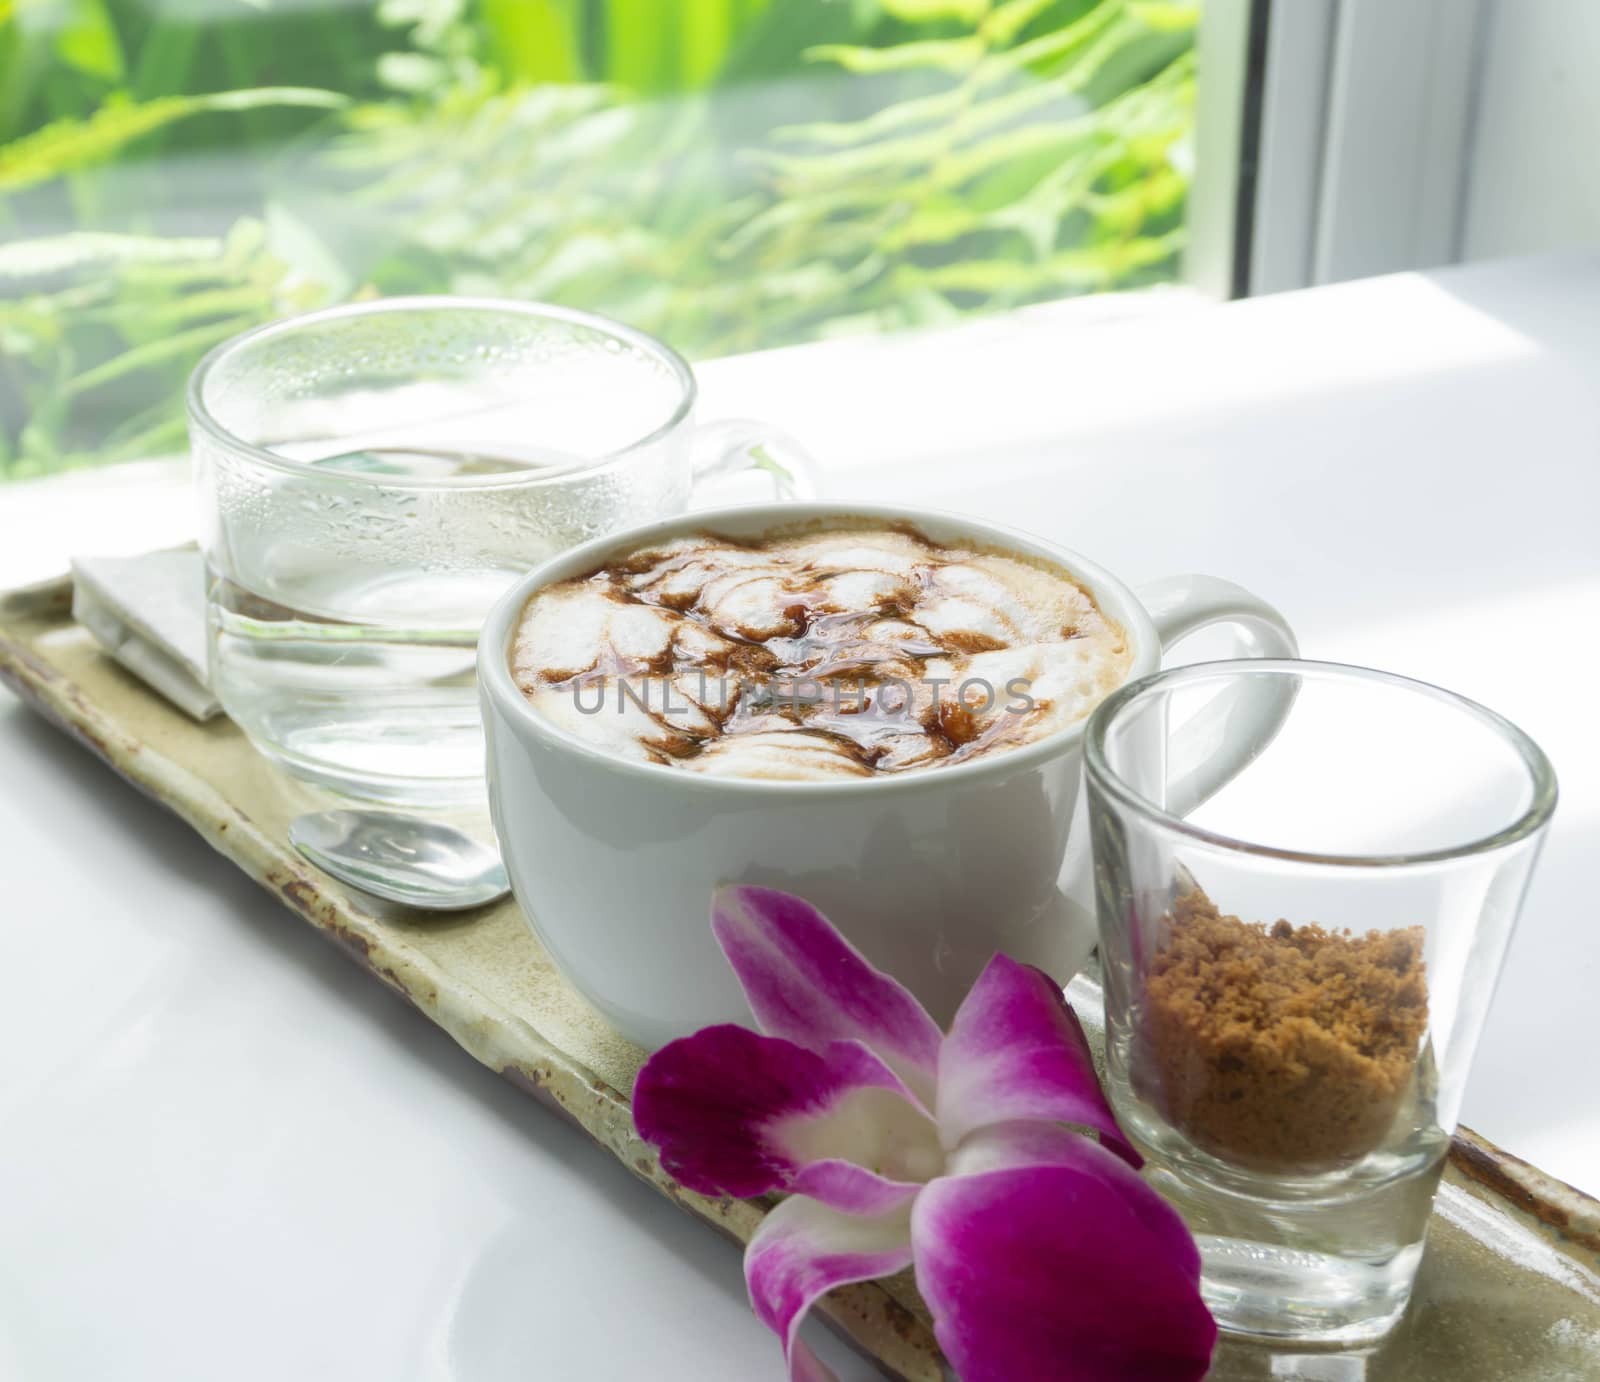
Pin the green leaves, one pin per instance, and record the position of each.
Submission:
(97, 332)
(1169, 16)
(535, 40)
(967, 12)
(938, 54)
(88, 41)
(71, 144)
(650, 46)
(1005, 175)
(28, 266)
(729, 174)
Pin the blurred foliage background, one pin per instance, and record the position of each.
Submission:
(728, 174)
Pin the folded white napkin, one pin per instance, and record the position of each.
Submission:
(149, 613)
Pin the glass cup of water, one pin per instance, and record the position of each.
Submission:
(1297, 964)
(370, 478)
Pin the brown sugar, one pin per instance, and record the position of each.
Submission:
(1287, 1049)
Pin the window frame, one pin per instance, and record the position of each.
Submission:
(1345, 126)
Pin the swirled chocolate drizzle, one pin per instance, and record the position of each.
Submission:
(838, 653)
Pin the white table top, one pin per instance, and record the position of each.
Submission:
(227, 1153)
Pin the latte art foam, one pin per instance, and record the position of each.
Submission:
(840, 653)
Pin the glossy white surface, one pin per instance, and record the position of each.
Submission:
(228, 1153)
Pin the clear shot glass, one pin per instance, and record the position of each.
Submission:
(1298, 963)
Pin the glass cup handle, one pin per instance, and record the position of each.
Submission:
(733, 445)
(1222, 737)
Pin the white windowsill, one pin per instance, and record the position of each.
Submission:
(137, 507)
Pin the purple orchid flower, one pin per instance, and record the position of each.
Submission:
(1039, 1250)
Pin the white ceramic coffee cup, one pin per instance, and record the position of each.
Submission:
(929, 872)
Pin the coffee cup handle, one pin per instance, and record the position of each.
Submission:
(734, 446)
(1225, 734)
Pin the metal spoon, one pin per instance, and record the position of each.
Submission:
(406, 859)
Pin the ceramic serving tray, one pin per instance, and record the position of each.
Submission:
(1509, 1289)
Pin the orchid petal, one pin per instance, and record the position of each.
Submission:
(851, 1188)
(804, 981)
(1010, 1146)
(802, 1251)
(1016, 1050)
(1061, 1272)
(737, 1113)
